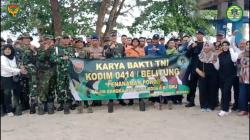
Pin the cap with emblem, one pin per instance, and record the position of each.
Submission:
(200, 31)
(156, 36)
(48, 37)
(79, 39)
(65, 37)
(26, 35)
(94, 37)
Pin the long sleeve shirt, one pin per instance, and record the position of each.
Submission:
(161, 50)
(8, 67)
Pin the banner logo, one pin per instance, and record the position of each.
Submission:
(13, 9)
(78, 66)
(234, 13)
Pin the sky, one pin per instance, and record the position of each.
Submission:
(125, 20)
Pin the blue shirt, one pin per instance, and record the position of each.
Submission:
(160, 52)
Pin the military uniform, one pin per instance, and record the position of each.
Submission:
(46, 61)
(29, 61)
(63, 93)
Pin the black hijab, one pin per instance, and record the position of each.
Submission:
(12, 55)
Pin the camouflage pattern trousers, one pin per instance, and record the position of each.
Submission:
(44, 77)
(63, 93)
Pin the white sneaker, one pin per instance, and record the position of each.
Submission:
(208, 110)
(10, 114)
(223, 113)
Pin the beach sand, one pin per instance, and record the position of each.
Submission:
(127, 123)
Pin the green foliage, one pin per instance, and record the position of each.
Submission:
(179, 15)
(36, 14)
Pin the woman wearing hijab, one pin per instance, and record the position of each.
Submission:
(207, 76)
(8, 71)
(244, 81)
(227, 72)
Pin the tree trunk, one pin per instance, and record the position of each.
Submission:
(111, 18)
(101, 15)
(56, 18)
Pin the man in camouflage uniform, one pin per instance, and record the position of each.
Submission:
(115, 50)
(64, 52)
(45, 62)
(29, 61)
(23, 86)
(80, 50)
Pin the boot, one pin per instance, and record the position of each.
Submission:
(131, 102)
(32, 107)
(142, 105)
(18, 110)
(50, 108)
(2, 112)
(90, 110)
(66, 108)
(121, 102)
(110, 107)
(41, 109)
(60, 108)
(170, 105)
(80, 107)
(72, 106)
(46, 107)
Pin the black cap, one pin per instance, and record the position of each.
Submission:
(156, 36)
(162, 38)
(94, 37)
(200, 31)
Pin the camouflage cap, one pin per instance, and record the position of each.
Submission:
(65, 36)
(26, 35)
(19, 37)
(77, 39)
(106, 38)
(58, 37)
(48, 37)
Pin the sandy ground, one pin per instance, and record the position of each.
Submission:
(127, 123)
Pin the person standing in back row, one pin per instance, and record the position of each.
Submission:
(193, 51)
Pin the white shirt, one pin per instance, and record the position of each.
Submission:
(8, 67)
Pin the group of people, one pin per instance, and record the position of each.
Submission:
(35, 78)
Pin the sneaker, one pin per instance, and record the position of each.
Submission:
(203, 110)
(223, 113)
(208, 110)
(243, 113)
(10, 114)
